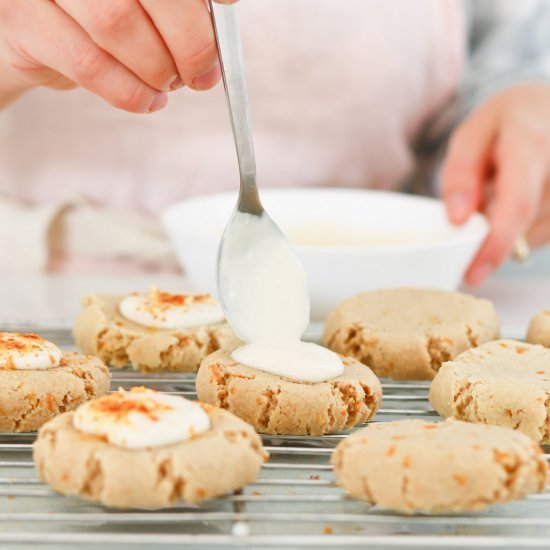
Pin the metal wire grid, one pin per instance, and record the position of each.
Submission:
(294, 502)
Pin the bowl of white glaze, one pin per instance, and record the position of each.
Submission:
(349, 240)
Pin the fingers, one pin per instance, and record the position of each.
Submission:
(123, 29)
(521, 172)
(53, 39)
(467, 164)
(186, 28)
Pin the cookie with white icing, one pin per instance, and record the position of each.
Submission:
(138, 450)
(152, 332)
(38, 381)
(418, 466)
(277, 405)
(407, 333)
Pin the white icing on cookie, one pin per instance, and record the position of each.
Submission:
(20, 351)
(141, 418)
(162, 310)
(299, 361)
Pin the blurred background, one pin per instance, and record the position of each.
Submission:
(362, 94)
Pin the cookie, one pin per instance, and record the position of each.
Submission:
(505, 383)
(539, 329)
(277, 405)
(29, 398)
(407, 333)
(417, 466)
(223, 459)
(101, 330)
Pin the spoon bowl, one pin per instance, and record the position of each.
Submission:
(261, 284)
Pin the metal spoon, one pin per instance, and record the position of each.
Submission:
(261, 282)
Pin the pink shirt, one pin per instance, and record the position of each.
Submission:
(338, 92)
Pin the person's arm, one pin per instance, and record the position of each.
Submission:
(498, 159)
(129, 52)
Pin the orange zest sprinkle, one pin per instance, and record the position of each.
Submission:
(12, 341)
(215, 373)
(460, 479)
(391, 450)
(51, 402)
(328, 530)
(168, 299)
(117, 406)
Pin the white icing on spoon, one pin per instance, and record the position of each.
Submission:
(266, 299)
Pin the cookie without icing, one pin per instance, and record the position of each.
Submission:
(101, 330)
(223, 459)
(539, 329)
(506, 383)
(277, 405)
(407, 333)
(413, 465)
(28, 398)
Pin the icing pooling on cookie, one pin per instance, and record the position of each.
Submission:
(163, 310)
(141, 418)
(267, 303)
(302, 361)
(19, 351)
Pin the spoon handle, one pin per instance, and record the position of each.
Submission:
(226, 27)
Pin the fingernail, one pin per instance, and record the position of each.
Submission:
(480, 273)
(458, 205)
(176, 84)
(161, 99)
(208, 79)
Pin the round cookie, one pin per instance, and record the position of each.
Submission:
(277, 405)
(223, 459)
(101, 330)
(505, 383)
(539, 329)
(407, 333)
(418, 466)
(28, 398)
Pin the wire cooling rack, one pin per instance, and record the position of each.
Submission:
(294, 503)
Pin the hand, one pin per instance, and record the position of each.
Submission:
(129, 52)
(498, 162)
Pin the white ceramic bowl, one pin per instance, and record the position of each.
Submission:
(366, 239)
